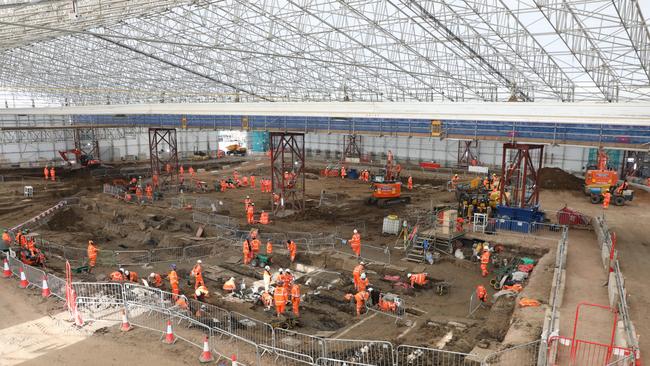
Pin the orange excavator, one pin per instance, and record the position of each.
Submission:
(385, 190)
(602, 179)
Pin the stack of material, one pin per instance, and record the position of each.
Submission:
(391, 225)
(447, 221)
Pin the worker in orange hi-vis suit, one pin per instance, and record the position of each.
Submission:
(459, 224)
(356, 274)
(485, 260)
(363, 282)
(280, 296)
(355, 243)
(252, 181)
(264, 218)
(52, 174)
(46, 172)
(269, 247)
(173, 281)
(360, 298)
(235, 175)
(409, 183)
(181, 170)
(255, 246)
(419, 279)
(154, 180)
(138, 193)
(454, 181)
(481, 293)
(192, 172)
(295, 299)
(246, 250)
(155, 280)
(250, 213)
(247, 203)
(6, 238)
(291, 246)
(92, 255)
(197, 273)
(343, 172)
(149, 193)
(607, 197)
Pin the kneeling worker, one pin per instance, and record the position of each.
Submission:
(419, 279)
(230, 285)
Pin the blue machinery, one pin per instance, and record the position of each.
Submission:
(607, 135)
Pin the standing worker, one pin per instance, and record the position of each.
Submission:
(154, 180)
(92, 255)
(46, 172)
(356, 274)
(607, 197)
(6, 238)
(269, 248)
(360, 299)
(280, 296)
(295, 299)
(355, 243)
(343, 172)
(197, 273)
(409, 183)
(252, 180)
(250, 213)
(246, 251)
(459, 224)
(138, 193)
(255, 247)
(291, 246)
(173, 281)
(363, 282)
(454, 181)
(52, 174)
(485, 260)
(149, 192)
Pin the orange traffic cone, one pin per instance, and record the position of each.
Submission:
(206, 356)
(233, 358)
(126, 326)
(23, 279)
(46, 290)
(169, 337)
(6, 272)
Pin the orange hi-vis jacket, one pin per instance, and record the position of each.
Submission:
(419, 279)
(280, 296)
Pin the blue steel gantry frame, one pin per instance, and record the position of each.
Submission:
(626, 137)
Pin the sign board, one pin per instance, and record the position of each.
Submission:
(478, 169)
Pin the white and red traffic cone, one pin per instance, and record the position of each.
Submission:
(45, 292)
(169, 336)
(233, 358)
(23, 280)
(206, 355)
(6, 272)
(126, 326)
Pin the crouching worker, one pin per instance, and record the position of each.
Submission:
(419, 279)
(230, 285)
(201, 293)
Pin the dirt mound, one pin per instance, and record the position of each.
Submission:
(556, 178)
(63, 220)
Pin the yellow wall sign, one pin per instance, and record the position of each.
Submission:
(436, 128)
(244, 123)
(184, 122)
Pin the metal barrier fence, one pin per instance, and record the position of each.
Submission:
(323, 361)
(213, 219)
(423, 356)
(368, 252)
(513, 227)
(303, 346)
(378, 353)
(256, 331)
(567, 351)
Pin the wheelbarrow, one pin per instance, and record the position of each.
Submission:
(261, 260)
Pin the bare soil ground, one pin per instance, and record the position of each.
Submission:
(436, 317)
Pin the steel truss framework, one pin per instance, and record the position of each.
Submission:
(28, 134)
(352, 146)
(520, 168)
(288, 170)
(163, 155)
(92, 52)
(468, 152)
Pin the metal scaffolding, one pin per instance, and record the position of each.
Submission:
(29, 134)
(163, 155)
(468, 152)
(520, 168)
(288, 171)
(110, 52)
(352, 146)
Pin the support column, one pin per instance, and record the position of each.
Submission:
(520, 168)
(352, 146)
(288, 171)
(163, 151)
(467, 153)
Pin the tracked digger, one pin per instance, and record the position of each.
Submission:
(386, 189)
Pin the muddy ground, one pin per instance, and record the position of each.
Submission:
(116, 225)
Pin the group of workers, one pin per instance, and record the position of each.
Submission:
(49, 173)
(28, 251)
(249, 209)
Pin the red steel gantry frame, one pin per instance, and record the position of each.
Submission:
(351, 146)
(288, 155)
(163, 151)
(467, 153)
(520, 168)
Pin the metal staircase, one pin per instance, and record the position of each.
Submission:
(444, 244)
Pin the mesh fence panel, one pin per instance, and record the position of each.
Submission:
(251, 329)
(298, 343)
(376, 353)
(422, 356)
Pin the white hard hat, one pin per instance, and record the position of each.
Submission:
(408, 275)
(121, 269)
(362, 263)
(363, 276)
(280, 270)
(354, 231)
(199, 261)
(288, 270)
(248, 196)
(152, 274)
(267, 268)
(197, 292)
(126, 272)
(231, 279)
(370, 289)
